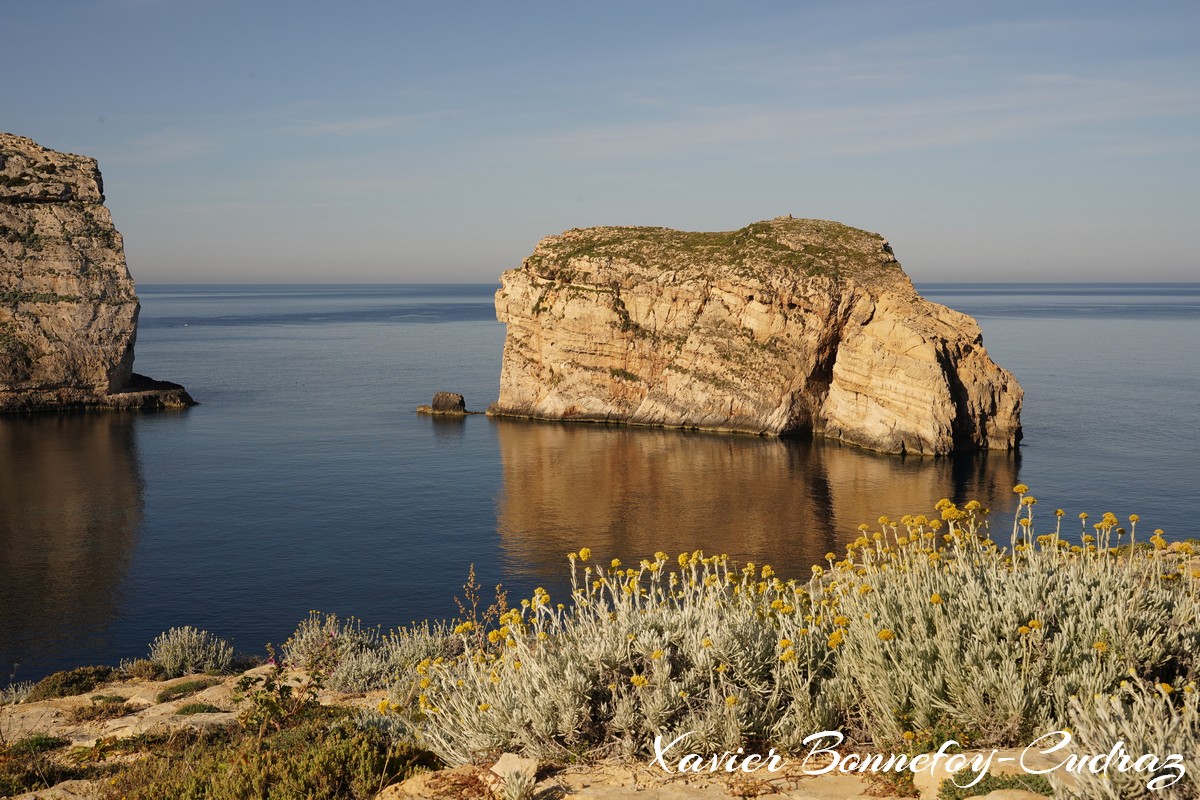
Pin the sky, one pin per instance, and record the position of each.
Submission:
(393, 141)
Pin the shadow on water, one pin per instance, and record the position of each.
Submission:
(628, 492)
(447, 429)
(71, 499)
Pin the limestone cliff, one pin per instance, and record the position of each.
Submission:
(782, 327)
(68, 311)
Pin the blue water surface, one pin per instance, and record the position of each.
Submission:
(305, 480)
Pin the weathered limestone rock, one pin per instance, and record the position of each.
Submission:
(449, 404)
(782, 327)
(68, 311)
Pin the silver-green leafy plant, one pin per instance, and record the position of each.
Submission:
(15, 692)
(182, 651)
(1159, 720)
(519, 785)
(348, 657)
(948, 632)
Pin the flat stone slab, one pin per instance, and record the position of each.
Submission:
(67, 790)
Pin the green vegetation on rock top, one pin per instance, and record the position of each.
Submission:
(779, 247)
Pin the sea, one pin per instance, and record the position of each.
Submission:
(305, 481)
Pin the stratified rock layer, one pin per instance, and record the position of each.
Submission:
(68, 310)
(782, 327)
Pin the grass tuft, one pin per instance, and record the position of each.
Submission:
(185, 688)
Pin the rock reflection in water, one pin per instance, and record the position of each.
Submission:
(70, 511)
(628, 492)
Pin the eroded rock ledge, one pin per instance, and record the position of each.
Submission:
(68, 309)
(783, 327)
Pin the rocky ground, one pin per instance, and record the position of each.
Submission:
(93, 722)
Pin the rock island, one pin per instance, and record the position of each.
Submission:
(68, 310)
(786, 326)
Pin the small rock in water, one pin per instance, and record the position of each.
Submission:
(449, 403)
(446, 403)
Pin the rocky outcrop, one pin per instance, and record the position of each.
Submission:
(68, 310)
(785, 326)
(449, 404)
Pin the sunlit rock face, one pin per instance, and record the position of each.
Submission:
(68, 309)
(784, 326)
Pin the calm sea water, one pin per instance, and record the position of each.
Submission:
(306, 481)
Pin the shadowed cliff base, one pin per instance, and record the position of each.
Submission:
(140, 394)
(71, 499)
(68, 309)
(782, 327)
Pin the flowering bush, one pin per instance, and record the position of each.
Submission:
(926, 628)
(992, 643)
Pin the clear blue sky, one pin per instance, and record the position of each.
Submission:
(404, 141)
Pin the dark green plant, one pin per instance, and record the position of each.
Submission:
(990, 783)
(69, 683)
(26, 765)
(272, 703)
(196, 708)
(13, 297)
(37, 743)
(311, 761)
(108, 698)
(623, 374)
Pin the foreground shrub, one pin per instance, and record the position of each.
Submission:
(1148, 718)
(182, 651)
(142, 669)
(15, 692)
(26, 765)
(641, 652)
(990, 644)
(323, 641)
(926, 630)
(69, 683)
(347, 657)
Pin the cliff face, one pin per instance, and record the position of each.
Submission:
(68, 311)
(781, 327)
